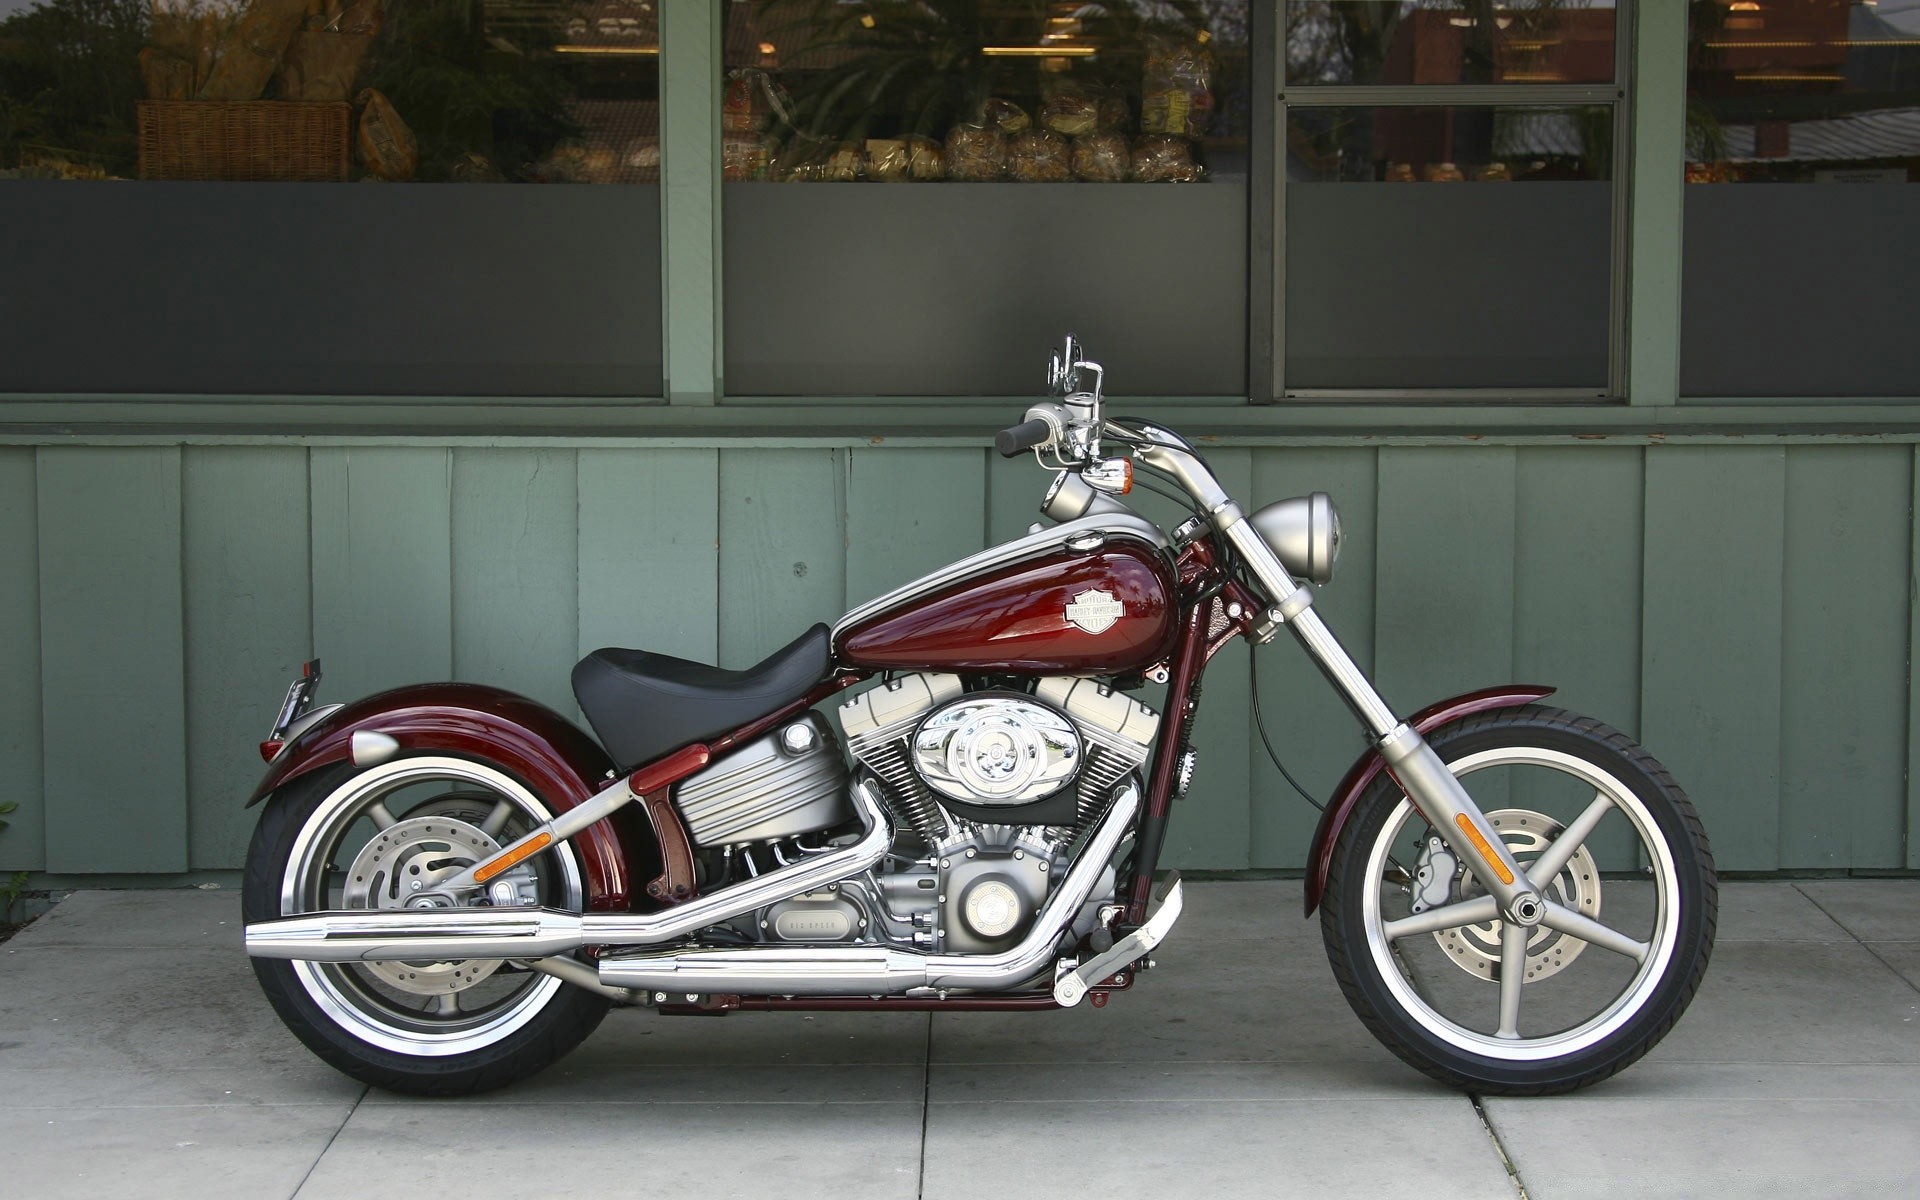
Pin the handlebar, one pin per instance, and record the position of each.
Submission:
(1016, 440)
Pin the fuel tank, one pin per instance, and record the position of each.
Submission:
(1089, 597)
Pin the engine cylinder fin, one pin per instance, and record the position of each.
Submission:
(912, 804)
(1105, 766)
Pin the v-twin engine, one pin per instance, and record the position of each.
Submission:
(991, 791)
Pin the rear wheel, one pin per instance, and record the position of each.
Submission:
(373, 838)
(1611, 843)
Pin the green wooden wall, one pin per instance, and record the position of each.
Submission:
(1744, 609)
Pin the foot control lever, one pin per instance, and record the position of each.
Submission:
(1070, 988)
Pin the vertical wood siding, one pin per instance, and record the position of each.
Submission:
(1746, 612)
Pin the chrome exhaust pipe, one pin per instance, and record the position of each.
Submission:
(417, 935)
(445, 934)
(880, 970)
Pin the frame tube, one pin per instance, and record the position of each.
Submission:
(1413, 764)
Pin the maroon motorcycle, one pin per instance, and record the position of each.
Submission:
(450, 884)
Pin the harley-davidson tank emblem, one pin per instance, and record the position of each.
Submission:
(1095, 611)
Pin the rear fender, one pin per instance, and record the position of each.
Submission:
(1347, 796)
(541, 748)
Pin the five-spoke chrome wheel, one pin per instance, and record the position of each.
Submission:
(1610, 845)
(384, 838)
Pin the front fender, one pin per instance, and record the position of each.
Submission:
(541, 748)
(1370, 764)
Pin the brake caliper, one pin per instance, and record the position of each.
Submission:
(1433, 881)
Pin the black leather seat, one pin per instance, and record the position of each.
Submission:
(643, 705)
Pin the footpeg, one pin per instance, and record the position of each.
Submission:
(1070, 988)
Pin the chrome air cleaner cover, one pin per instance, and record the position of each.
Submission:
(996, 749)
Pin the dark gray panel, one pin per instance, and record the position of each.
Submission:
(1447, 286)
(325, 289)
(960, 289)
(1800, 289)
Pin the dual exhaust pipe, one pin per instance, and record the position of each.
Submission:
(440, 935)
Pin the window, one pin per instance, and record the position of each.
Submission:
(1503, 279)
(225, 267)
(1821, 100)
(1414, 43)
(1055, 162)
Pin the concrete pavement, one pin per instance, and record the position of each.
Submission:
(138, 1058)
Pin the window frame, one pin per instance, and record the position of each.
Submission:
(1614, 96)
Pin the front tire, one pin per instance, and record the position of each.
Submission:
(1581, 804)
(343, 838)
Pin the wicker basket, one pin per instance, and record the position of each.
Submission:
(244, 139)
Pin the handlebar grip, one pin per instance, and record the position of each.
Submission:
(1018, 439)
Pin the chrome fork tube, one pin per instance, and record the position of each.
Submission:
(1413, 764)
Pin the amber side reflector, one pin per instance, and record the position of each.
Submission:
(518, 854)
(1480, 844)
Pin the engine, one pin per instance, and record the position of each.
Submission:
(989, 790)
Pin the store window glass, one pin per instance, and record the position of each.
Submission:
(329, 90)
(1449, 41)
(1486, 268)
(1000, 120)
(1792, 289)
(231, 278)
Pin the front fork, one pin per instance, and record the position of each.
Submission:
(1409, 759)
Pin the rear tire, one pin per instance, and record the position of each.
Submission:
(1434, 995)
(431, 1029)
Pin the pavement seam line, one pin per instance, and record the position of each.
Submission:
(926, 1108)
(1499, 1147)
(334, 1136)
(1863, 943)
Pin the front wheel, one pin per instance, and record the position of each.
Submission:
(1608, 839)
(346, 839)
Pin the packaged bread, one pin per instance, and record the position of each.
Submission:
(323, 60)
(976, 153)
(475, 168)
(1070, 111)
(1039, 156)
(166, 76)
(1163, 158)
(206, 49)
(843, 165)
(1004, 115)
(388, 149)
(1102, 157)
(744, 105)
(251, 50)
(640, 159)
(321, 65)
(926, 159)
(1176, 94)
(886, 160)
(744, 157)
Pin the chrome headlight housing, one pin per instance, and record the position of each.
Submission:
(1305, 532)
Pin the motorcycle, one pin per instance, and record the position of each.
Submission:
(451, 885)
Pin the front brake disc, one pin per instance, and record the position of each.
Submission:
(1475, 949)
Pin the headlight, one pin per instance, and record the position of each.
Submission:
(1305, 532)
